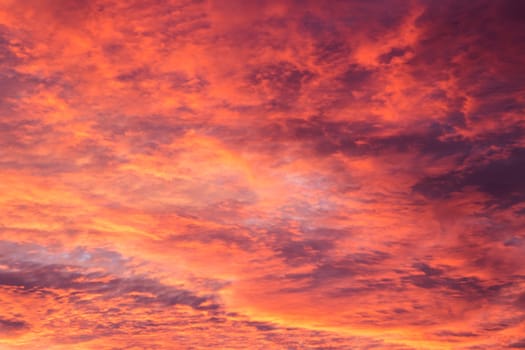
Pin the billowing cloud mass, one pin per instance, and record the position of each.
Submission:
(270, 174)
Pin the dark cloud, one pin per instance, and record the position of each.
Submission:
(359, 139)
(304, 251)
(356, 78)
(468, 288)
(429, 144)
(518, 345)
(464, 39)
(443, 21)
(499, 178)
(448, 333)
(315, 25)
(393, 53)
(321, 274)
(520, 301)
(229, 238)
(279, 83)
(262, 326)
(428, 270)
(502, 179)
(9, 325)
(35, 278)
(514, 242)
(6, 53)
(331, 52)
(513, 10)
(357, 265)
(367, 286)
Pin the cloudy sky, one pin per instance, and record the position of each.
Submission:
(266, 174)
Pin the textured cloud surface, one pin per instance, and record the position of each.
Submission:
(229, 174)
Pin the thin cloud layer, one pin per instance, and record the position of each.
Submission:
(262, 174)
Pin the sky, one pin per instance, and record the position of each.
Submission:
(264, 174)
